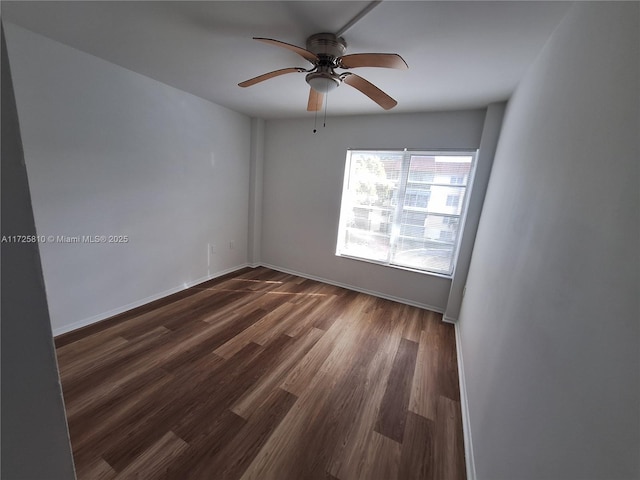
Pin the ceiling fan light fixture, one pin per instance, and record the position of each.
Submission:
(323, 82)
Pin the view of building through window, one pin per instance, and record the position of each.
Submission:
(404, 208)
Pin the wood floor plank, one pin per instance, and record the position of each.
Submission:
(219, 334)
(247, 298)
(267, 323)
(156, 458)
(295, 317)
(149, 420)
(449, 444)
(339, 337)
(235, 457)
(378, 460)
(303, 373)
(326, 317)
(264, 375)
(120, 370)
(217, 433)
(174, 409)
(393, 410)
(225, 388)
(96, 470)
(201, 311)
(183, 309)
(254, 398)
(77, 381)
(413, 323)
(430, 376)
(96, 410)
(308, 317)
(87, 349)
(417, 457)
(449, 371)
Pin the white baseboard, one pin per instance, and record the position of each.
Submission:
(464, 406)
(354, 288)
(116, 311)
(447, 319)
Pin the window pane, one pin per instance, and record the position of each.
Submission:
(368, 204)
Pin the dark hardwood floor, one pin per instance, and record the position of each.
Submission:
(269, 376)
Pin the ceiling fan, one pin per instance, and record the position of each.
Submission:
(326, 52)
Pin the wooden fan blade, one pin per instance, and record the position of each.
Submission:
(267, 76)
(312, 57)
(370, 90)
(315, 101)
(384, 60)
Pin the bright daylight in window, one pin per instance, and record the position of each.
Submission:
(404, 208)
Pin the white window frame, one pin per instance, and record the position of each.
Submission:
(402, 189)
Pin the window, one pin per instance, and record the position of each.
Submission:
(453, 200)
(404, 208)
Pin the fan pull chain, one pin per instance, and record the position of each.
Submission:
(315, 117)
(326, 102)
(320, 99)
(315, 121)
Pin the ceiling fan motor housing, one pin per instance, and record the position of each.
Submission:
(327, 44)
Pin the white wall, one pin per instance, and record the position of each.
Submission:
(303, 177)
(35, 439)
(549, 324)
(111, 152)
(484, 162)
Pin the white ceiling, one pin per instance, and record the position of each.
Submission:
(460, 54)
